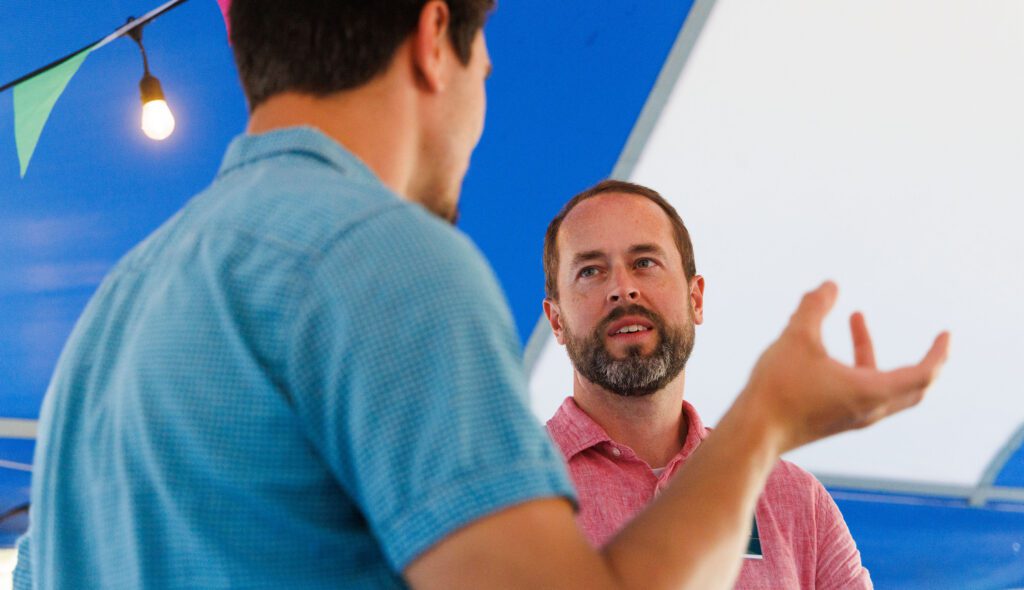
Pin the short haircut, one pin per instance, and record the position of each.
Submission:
(682, 236)
(321, 47)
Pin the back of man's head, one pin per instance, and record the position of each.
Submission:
(320, 47)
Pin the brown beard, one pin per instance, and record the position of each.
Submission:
(637, 374)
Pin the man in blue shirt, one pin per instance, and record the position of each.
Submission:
(307, 379)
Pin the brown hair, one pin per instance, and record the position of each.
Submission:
(325, 46)
(682, 236)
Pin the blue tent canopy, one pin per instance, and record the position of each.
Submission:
(577, 87)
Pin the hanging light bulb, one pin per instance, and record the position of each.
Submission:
(157, 120)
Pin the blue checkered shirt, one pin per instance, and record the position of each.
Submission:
(299, 381)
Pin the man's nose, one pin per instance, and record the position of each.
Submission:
(623, 288)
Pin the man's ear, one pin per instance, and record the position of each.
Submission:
(429, 45)
(697, 299)
(554, 315)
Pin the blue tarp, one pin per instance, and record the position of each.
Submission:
(570, 79)
(914, 542)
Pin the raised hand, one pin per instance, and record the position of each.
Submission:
(806, 395)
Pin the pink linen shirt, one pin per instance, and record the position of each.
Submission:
(803, 535)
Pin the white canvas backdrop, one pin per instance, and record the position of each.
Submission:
(879, 143)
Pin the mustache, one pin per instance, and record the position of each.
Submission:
(631, 309)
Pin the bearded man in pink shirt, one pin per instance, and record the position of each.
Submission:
(623, 296)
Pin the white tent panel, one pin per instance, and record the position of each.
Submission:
(879, 143)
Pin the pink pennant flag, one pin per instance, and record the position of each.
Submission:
(224, 6)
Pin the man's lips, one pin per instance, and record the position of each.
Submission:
(630, 327)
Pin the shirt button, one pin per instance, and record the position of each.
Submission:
(616, 451)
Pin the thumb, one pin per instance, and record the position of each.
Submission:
(813, 308)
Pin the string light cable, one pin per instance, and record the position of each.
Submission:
(157, 120)
(158, 123)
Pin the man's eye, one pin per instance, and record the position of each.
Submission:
(644, 263)
(588, 272)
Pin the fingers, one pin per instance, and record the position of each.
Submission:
(863, 349)
(897, 390)
(921, 375)
(937, 355)
(814, 307)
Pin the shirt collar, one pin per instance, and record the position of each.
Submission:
(696, 432)
(246, 149)
(574, 431)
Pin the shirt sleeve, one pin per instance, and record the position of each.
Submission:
(405, 369)
(839, 565)
(23, 569)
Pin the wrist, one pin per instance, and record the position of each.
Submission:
(752, 417)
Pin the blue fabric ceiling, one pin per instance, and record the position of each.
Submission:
(570, 79)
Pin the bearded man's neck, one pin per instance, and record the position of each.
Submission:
(652, 425)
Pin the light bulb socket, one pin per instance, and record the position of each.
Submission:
(150, 88)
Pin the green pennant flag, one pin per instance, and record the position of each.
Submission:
(34, 99)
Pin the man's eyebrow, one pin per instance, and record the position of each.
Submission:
(490, 70)
(646, 249)
(588, 256)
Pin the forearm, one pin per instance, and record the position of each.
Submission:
(693, 535)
